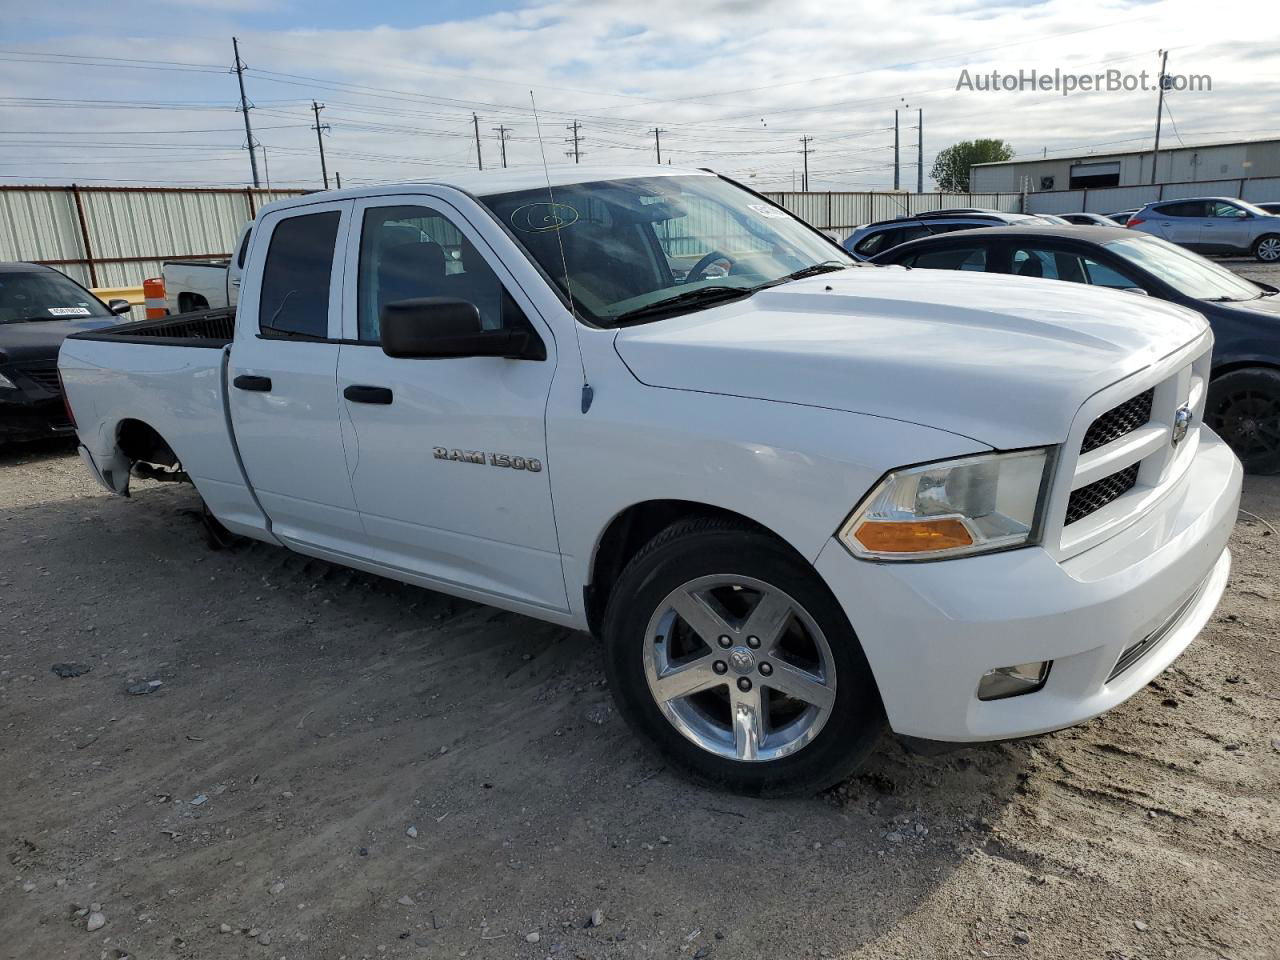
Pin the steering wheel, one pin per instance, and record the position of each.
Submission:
(700, 267)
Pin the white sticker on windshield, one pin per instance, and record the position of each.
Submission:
(69, 311)
(768, 212)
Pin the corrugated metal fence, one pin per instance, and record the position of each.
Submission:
(1114, 199)
(116, 236)
(844, 211)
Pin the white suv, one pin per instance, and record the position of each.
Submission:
(1213, 225)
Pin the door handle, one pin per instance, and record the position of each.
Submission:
(249, 382)
(358, 393)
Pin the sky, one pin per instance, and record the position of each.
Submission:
(140, 92)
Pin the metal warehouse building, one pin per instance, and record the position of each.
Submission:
(1200, 164)
(1108, 182)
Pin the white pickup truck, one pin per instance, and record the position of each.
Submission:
(797, 498)
(191, 285)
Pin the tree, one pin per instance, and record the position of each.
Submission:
(951, 166)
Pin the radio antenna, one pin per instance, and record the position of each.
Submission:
(587, 392)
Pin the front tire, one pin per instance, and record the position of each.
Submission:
(1267, 249)
(1244, 409)
(728, 654)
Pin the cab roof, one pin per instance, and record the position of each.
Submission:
(484, 183)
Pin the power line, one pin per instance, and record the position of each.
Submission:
(244, 108)
(805, 151)
(319, 128)
(657, 142)
(575, 139)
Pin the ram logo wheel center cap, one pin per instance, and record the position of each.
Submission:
(1181, 423)
(743, 660)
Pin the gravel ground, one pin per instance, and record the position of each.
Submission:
(333, 765)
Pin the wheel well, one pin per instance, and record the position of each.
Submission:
(140, 441)
(188, 302)
(632, 529)
(1241, 365)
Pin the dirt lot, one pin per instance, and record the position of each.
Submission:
(259, 801)
(308, 716)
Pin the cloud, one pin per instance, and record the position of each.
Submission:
(732, 83)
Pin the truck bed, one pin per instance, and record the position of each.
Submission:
(205, 328)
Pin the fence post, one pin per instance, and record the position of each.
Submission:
(84, 236)
(829, 210)
(1160, 192)
(1240, 189)
(1084, 200)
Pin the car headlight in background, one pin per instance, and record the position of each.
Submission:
(950, 509)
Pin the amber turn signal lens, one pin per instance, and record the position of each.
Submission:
(914, 536)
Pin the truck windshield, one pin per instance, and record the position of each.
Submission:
(632, 245)
(1188, 273)
(45, 295)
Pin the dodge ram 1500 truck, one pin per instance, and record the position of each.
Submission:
(797, 498)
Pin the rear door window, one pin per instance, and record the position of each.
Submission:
(295, 279)
(1100, 275)
(953, 258)
(1183, 208)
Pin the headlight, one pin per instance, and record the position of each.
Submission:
(6, 383)
(950, 509)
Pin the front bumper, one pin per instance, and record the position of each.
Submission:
(21, 419)
(931, 630)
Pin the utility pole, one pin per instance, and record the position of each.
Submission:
(476, 123)
(574, 139)
(244, 108)
(896, 166)
(920, 152)
(1155, 150)
(657, 142)
(318, 128)
(502, 130)
(804, 149)
(338, 177)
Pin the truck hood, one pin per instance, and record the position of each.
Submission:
(1003, 360)
(28, 340)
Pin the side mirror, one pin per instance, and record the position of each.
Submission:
(1138, 290)
(119, 307)
(445, 327)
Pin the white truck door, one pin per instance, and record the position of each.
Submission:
(283, 362)
(447, 456)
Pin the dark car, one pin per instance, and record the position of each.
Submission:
(872, 238)
(1272, 208)
(1244, 389)
(1089, 220)
(39, 307)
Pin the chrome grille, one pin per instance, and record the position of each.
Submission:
(1119, 420)
(1095, 496)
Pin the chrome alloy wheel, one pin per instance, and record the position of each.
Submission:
(739, 668)
(1269, 249)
